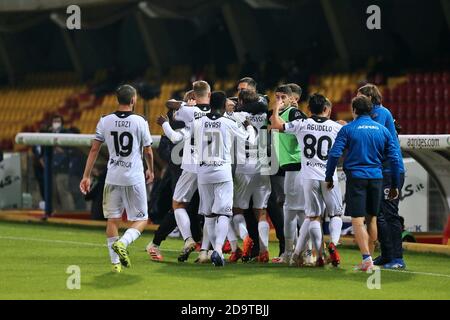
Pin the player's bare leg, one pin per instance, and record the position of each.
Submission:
(263, 229)
(184, 224)
(362, 239)
(371, 222)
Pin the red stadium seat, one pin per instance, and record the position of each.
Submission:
(446, 77)
(420, 111)
(412, 126)
(430, 126)
(401, 111)
(420, 127)
(436, 78)
(429, 110)
(393, 109)
(411, 110)
(440, 126)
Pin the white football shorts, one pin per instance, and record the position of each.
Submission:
(294, 198)
(216, 198)
(131, 198)
(185, 187)
(318, 199)
(247, 186)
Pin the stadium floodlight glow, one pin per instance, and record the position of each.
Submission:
(264, 4)
(145, 8)
(56, 18)
(152, 11)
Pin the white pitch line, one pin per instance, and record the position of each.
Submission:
(419, 273)
(90, 244)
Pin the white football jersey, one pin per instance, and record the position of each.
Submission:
(250, 155)
(213, 138)
(188, 114)
(316, 136)
(125, 134)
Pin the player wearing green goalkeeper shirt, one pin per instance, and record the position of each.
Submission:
(288, 155)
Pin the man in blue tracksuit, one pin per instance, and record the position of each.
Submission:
(388, 221)
(367, 143)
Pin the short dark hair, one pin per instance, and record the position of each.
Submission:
(248, 96)
(58, 116)
(317, 103)
(250, 81)
(218, 100)
(125, 94)
(284, 89)
(371, 91)
(295, 88)
(361, 105)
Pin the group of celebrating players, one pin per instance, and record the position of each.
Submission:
(237, 154)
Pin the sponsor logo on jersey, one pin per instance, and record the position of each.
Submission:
(211, 163)
(120, 163)
(315, 165)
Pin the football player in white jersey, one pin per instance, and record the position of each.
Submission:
(168, 223)
(213, 136)
(316, 135)
(249, 183)
(187, 183)
(128, 138)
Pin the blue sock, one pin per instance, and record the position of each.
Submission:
(365, 256)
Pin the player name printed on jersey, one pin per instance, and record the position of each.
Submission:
(316, 136)
(125, 134)
(213, 138)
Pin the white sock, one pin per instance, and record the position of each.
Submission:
(335, 229)
(114, 256)
(210, 224)
(288, 245)
(221, 232)
(129, 236)
(239, 224)
(263, 229)
(315, 232)
(290, 227)
(205, 239)
(290, 223)
(303, 237)
(232, 238)
(183, 223)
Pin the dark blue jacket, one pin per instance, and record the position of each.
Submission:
(368, 144)
(383, 116)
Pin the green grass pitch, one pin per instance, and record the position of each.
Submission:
(35, 259)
